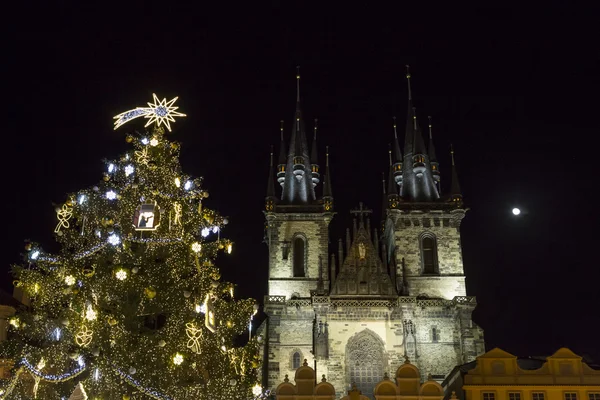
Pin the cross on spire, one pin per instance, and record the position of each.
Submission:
(361, 212)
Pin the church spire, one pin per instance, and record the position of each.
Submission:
(270, 199)
(455, 193)
(409, 134)
(417, 179)
(327, 193)
(298, 186)
(282, 158)
(435, 166)
(314, 160)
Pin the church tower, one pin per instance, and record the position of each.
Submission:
(298, 221)
(422, 228)
(384, 296)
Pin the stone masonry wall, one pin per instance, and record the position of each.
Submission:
(409, 228)
(282, 229)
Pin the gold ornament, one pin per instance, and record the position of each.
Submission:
(89, 271)
(129, 138)
(28, 246)
(112, 321)
(106, 177)
(229, 324)
(150, 292)
(125, 397)
(177, 210)
(195, 334)
(142, 156)
(63, 214)
(84, 337)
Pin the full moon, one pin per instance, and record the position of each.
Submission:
(516, 211)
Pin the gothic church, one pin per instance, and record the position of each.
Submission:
(382, 297)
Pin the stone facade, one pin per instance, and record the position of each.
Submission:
(369, 332)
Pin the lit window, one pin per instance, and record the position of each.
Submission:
(514, 396)
(537, 396)
(296, 360)
(571, 396)
(489, 396)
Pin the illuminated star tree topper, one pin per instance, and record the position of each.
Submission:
(162, 112)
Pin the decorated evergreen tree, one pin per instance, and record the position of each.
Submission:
(132, 305)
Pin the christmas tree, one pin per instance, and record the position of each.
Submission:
(132, 306)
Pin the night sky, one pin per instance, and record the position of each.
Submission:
(514, 90)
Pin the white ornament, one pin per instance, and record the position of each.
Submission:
(82, 199)
(121, 275)
(187, 185)
(111, 168)
(129, 170)
(205, 232)
(114, 239)
(111, 195)
(145, 141)
(70, 280)
(154, 142)
(196, 247)
(90, 314)
(177, 359)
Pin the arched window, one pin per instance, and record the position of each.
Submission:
(429, 255)
(296, 360)
(298, 257)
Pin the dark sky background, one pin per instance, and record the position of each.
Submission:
(514, 89)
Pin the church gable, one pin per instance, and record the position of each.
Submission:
(362, 272)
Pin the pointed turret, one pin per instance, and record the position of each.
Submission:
(282, 158)
(392, 191)
(270, 199)
(397, 157)
(455, 193)
(314, 160)
(298, 186)
(327, 193)
(435, 166)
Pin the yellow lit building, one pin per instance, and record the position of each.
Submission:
(563, 376)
